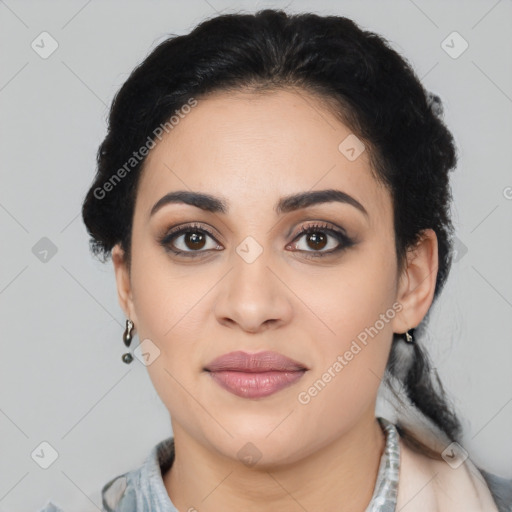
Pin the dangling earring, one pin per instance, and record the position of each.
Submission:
(127, 338)
(409, 338)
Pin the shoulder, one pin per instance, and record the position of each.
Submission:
(501, 489)
(426, 484)
(118, 495)
(140, 489)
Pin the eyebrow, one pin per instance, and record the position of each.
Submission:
(286, 204)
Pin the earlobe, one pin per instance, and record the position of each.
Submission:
(124, 291)
(417, 283)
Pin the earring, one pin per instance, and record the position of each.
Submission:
(409, 338)
(127, 338)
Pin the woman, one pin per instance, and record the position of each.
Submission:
(274, 193)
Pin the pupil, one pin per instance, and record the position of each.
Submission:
(196, 239)
(317, 239)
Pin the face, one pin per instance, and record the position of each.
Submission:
(246, 278)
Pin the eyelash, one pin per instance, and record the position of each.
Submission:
(344, 241)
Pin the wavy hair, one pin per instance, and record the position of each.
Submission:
(363, 81)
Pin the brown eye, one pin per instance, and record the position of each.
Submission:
(317, 238)
(190, 241)
(194, 240)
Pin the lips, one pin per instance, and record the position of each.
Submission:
(260, 362)
(255, 375)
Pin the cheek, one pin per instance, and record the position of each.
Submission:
(348, 299)
(165, 313)
(170, 310)
(355, 307)
(349, 366)
(162, 296)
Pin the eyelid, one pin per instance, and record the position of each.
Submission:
(168, 232)
(321, 225)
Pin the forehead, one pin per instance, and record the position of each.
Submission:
(250, 148)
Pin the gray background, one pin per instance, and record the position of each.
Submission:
(61, 375)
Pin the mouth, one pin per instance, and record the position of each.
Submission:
(255, 375)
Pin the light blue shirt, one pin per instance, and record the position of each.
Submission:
(143, 490)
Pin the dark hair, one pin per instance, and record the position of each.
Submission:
(354, 73)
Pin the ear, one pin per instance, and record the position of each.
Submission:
(417, 283)
(123, 281)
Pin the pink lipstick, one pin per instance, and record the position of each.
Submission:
(255, 375)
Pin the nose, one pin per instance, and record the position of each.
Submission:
(253, 296)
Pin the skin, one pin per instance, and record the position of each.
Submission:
(252, 149)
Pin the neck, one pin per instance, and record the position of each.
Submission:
(341, 476)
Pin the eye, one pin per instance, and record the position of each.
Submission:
(192, 240)
(319, 237)
(189, 239)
